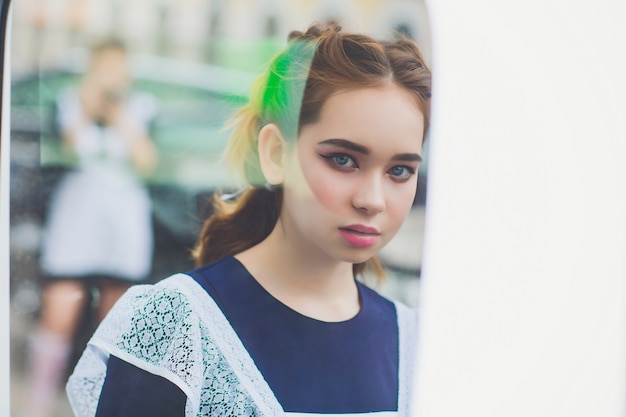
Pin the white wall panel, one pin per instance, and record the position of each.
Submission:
(523, 287)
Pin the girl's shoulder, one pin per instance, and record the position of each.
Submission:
(405, 316)
(179, 286)
(165, 310)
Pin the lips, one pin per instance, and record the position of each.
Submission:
(359, 235)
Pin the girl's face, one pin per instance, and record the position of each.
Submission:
(353, 181)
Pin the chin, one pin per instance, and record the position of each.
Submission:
(359, 258)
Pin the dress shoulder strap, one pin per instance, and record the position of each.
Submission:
(407, 331)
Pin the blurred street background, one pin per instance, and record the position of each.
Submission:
(197, 58)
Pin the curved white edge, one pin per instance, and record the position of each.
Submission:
(5, 365)
(523, 287)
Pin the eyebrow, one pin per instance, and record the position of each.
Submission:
(408, 157)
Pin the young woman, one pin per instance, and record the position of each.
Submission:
(273, 321)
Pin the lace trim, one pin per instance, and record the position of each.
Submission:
(175, 330)
(232, 348)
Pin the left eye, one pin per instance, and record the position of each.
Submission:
(402, 172)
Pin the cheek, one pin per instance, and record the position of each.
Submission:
(325, 195)
(400, 204)
(328, 190)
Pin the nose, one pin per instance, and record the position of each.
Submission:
(369, 197)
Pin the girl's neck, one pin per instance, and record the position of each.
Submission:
(315, 286)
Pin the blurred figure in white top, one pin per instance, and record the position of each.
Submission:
(99, 231)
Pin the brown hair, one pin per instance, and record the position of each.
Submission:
(314, 65)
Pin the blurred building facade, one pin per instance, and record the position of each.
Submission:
(224, 32)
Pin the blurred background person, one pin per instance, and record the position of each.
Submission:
(99, 231)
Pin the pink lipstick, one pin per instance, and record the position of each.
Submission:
(359, 235)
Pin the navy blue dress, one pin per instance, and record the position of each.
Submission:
(311, 366)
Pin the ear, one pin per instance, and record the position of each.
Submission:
(272, 149)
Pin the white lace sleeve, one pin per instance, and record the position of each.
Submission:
(407, 327)
(158, 329)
